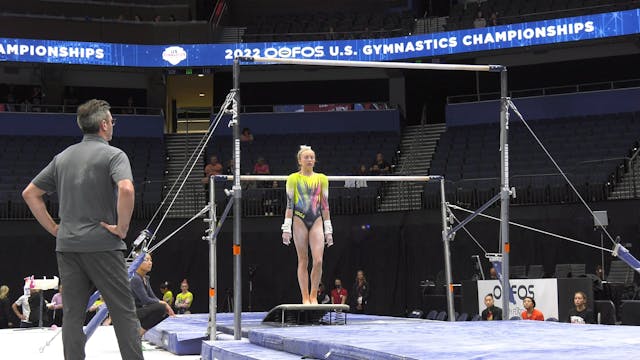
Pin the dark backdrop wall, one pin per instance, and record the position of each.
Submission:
(396, 250)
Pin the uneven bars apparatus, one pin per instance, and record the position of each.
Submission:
(214, 229)
(446, 235)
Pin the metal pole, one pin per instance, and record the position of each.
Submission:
(373, 64)
(504, 192)
(447, 255)
(213, 288)
(602, 253)
(237, 206)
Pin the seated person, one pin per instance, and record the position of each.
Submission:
(246, 135)
(213, 168)
(339, 295)
(167, 295)
(93, 310)
(492, 312)
(380, 166)
(184, 299)
(150, 310)
(580, 314)
(530, 312)
(323, 297)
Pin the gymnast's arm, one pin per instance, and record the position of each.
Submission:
(288, 214)
(324, 205)
(32, 195)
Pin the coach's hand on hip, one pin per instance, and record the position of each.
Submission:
(115, 230)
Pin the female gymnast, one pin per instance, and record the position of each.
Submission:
(307, 206)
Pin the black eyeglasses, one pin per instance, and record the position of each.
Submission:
(113, 121)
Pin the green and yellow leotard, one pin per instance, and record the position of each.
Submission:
(307, 196)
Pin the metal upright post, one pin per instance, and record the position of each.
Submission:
(447, 254)
(237, 206)
(213, 287)
(504, 192)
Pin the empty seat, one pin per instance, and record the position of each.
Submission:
(620, 272)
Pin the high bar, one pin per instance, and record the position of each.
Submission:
(334, 178)
(374, 64)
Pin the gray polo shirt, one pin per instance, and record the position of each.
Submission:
(85, 176)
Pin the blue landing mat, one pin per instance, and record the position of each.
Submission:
(423, 339)
(183, 334)
(241, 350)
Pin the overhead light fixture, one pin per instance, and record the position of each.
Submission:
(201, 75)
(201, 94)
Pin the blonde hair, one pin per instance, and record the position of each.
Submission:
(303, 148)
(4, 291)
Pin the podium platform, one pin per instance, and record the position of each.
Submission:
(303, 314)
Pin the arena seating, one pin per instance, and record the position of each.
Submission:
(328, 26)
(23, 157)
(462, 16)
(588, 149)
(337, 154)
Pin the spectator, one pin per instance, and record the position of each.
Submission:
(213, 168)
(599, 272)
(230, 166)
(339, 295)
(380, 166)
(93, 310)
(262, 168)
(479, 21)
(493, 20)
(272, 199)
(491, 312)
(246, 135)
(130, 109)
(167, 295)
(184, 299)
(530, 312)
(36, 99)
(580, 314)
(11, 100)
(149, 309)
(70, 100)
(56, 306)
(323, 297)
(5, 313)
(360, 293)
(493, 274)
(28, 318)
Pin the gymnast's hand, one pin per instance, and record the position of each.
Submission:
(286, 238)
(286, 231)
(328, 239)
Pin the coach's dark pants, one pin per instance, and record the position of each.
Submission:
(79, 272)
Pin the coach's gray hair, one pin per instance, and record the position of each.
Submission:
(90, 114)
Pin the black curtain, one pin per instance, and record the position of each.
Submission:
(396, 250)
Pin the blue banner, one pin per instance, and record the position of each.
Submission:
(587, 27)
